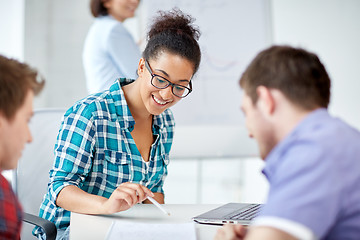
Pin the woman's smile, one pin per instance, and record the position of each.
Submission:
(159, 101)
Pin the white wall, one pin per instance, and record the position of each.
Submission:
(12, 28)
(54, 34)
(50, 36)
(55, 31)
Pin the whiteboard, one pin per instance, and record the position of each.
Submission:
(212, 141)
(233, 32)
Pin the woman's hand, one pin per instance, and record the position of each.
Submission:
(231, 232)
(125, 196)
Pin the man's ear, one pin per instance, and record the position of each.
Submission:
(141, 67)
(266, 101)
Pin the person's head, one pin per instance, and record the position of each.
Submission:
(18, 85)
(119, 9)
(172, 56)
(297, 73)
(281, 76)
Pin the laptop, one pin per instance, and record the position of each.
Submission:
(239, 213)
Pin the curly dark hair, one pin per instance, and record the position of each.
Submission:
(174, 32)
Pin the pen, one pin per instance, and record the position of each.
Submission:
(158, 205)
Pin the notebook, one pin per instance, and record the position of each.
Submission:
(239, 213)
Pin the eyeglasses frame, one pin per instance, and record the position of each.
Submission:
(147, 65)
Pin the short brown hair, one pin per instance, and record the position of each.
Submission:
(16, 79)
(297, 73)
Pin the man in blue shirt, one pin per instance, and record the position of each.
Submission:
(312, 159)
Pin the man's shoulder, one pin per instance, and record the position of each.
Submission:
(333, 134)
(322, 129)
(5, 187)
(7, 196)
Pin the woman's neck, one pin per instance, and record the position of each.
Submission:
(135, 103)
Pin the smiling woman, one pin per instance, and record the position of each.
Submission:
(113, 147)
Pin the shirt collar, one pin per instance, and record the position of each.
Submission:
(273, 158)
(121, 107)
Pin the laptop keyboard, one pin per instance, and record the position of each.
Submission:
(245, 214)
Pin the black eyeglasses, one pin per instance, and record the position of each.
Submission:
(162, 83)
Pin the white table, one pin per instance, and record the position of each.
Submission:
(96, 226)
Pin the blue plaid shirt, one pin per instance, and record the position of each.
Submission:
(96, 152)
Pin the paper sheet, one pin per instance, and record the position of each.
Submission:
(151, 231)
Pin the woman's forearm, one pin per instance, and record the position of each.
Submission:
(74, 199)
(123, 197)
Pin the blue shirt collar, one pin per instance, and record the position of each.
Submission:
(274, 156)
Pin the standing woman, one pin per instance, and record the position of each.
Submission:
(113, 147)
(110, 51)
